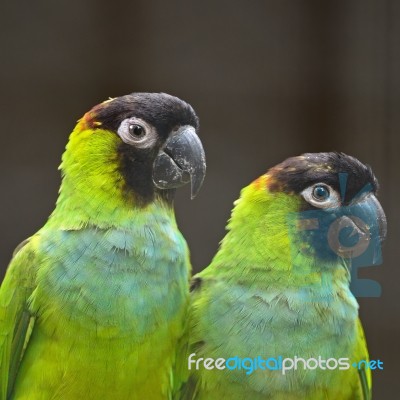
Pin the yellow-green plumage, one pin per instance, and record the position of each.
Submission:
(96, 298)
(267, 294)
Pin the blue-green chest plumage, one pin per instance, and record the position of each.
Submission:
(109, 306)
(271, 322)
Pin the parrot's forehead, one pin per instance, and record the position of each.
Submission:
(335, 169)
(161, 110)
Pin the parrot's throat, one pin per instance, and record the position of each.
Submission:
(136, 169)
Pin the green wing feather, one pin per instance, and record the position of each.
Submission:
(186, 384)
(16, 321)
(366, 389)
(364, 374)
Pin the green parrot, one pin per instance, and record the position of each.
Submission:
(278, 289)
(92, 305)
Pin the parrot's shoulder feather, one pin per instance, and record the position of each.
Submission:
(16, 321)
(20, 247)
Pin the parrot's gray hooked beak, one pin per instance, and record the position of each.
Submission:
(381, 217)
(180, 161)
(373, 211)
(366, 219)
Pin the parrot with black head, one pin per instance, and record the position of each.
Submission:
(92, 305)
(279, 288)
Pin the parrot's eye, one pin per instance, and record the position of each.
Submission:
(321, 195)
(137, 130)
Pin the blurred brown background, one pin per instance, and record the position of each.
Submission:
(269, 79)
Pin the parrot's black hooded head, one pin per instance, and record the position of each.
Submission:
(338, 209)
(344, 173)
(156, 142)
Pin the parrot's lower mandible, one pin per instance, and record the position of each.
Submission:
(93, 304)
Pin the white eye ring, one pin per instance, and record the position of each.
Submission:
(321, 195)
(148, 139)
